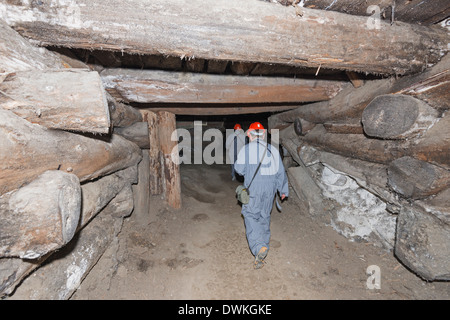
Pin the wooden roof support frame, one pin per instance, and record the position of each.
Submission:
(269, 33)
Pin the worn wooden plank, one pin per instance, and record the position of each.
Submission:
(216, 66)
(141, 191)
(348, 105)
(432, 148)
(413, 11)
(434, 90)
(96, 199)
(40, 217)
(169, 148)
(210, 110)
(153, 86)
(122, 115)
(308, 192)
(271, 34)
(98, 193)
(155, 154)
(64, 271)
(344, 127)
(416, 179)
(70, 99)
(27, 150)
(18, 54)
(422, 243)
(137, 133)
(396, 116)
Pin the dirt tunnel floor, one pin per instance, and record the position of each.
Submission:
(200, 252)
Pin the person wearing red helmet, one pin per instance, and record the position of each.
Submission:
(263, 182)
(233, 145)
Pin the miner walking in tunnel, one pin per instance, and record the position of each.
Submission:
(234, 144)
(261, 165)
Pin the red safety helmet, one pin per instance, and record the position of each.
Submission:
(237, 126)
(256, 126)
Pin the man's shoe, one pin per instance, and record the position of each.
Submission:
(259, 259)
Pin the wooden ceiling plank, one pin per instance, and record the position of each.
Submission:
(154, 86)
(269, 33)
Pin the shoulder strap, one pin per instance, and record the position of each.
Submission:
(259, 165)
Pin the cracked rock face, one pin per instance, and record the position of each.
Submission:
(360, 214)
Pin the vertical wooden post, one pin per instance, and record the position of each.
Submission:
(172, 181)
(141, 191)
(155, 155)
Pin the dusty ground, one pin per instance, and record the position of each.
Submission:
(200, 252)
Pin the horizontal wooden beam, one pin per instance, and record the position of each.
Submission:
(18, 54)
(347, 106)
(209, 110)
(431, 86)
(235, 30)
(412, 11)
(69, 99)
(27, 150)
(41, 216)
(153, 86)
(434, 147)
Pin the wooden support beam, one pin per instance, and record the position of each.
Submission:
(432, 148)
(13, 270)
(64, 271)
(216, 66)
(355, 79)
(195, 65)
(122, 115)
(211, 110)
(308, 192)
(172, 180)
(433, 89)
(431, 86)
(396, 116)
(242, 68)
(29, 149)
(71, 99)
(417, 179)
(346, 106)
(153, 86)
(412, 11)
(156, 162)
(98, 193)
(18, 54)
(422, 243)
(112, 197)
(343, 127)
(137, 133)
(41, 216)
(141, 191)
(269, 33)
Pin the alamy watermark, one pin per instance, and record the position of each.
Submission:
(374, 21)
(374, 279)
(191, 147)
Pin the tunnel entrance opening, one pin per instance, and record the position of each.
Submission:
(212, 132)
